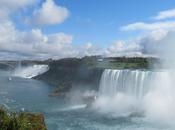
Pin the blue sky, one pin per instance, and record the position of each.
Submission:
(98, 21)
(90, 24)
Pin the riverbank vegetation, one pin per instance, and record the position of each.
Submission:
(21, 121)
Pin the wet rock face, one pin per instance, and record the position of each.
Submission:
(21, 121)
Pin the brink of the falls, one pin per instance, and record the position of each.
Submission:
(131, 82)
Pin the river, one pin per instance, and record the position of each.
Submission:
(112, 110)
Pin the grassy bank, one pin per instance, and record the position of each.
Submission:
(21, 121)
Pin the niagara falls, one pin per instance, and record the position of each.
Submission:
(87, 65)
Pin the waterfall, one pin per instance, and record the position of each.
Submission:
(30, 71)
(131, 82)
(145, 93)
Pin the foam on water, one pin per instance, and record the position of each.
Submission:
(74, 107)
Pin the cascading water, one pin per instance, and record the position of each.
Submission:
(131, 82)
(149, 93)
(30, 71)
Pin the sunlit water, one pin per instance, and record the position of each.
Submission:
(32, 95)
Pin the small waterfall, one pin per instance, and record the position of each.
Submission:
(30, 71)
(130, 82)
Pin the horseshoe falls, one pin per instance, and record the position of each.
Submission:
(132, 82)
(137, 93)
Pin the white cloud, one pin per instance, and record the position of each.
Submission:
(4, 14)
(157, 37)
(159, 43)
(34, 44)
(49, 14)
(123, 48)
(10, 6)
(149, 26)
(165, 14)
(89, 49)
(15, 4)
(117, 46)
(61, 37)
(163, 47)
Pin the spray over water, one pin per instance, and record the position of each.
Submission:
(30, 71)
(149, 94)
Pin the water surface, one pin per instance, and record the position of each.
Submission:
(31, 95)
